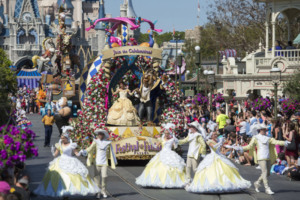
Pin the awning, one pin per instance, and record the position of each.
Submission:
(28, 77)
(228, 53)
(297, 40)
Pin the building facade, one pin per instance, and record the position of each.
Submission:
(24, 25)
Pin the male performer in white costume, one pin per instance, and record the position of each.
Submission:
(101, 147)
(265, 155)
(197, 148)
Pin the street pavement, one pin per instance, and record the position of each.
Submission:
(121, 182)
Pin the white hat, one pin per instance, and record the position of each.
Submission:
(65, 129)
(169, 127)
(101, 131)
(196, 125)
(262, 126)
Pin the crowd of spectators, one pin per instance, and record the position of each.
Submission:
(239, 124)
(14, 184)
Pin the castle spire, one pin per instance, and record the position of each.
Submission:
(130, 10)
(101, 14)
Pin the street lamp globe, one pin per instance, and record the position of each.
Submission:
(197, 49)
(275, 74)
(211, 76)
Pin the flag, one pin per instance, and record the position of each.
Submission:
(198, 5)
(173, 31)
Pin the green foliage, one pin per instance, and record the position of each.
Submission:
(8, 81)
(292, 87)
(160, 38)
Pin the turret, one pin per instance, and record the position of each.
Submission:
(101, 14)
(130, 10)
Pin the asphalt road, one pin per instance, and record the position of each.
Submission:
(121, 182)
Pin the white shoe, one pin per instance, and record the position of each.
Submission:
(256, 186)
(258, 167)
(104, 194)
(269, 191)
(98, 196)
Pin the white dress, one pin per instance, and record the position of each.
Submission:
(217, 174)
(165, 170)
(66, 176)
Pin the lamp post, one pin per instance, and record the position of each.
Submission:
(211, 81)
(276, 78)
(176, 38)
(205, 75)
(179, 63)
(198, 64)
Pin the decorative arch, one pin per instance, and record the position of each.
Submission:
(24, 61)
(280, 60)
(34, 33)
(20, 33)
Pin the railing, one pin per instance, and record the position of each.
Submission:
(261, 61)
(288, 53)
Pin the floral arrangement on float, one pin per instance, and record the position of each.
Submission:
(289, 106)
(16, 145)
(218, 98)
(170, 103)
(94, 112)
(260, 104)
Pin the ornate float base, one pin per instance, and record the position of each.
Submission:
(136, 144)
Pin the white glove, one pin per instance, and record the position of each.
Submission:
(203, 156)
(53, 150)
(84, 153)
(239, 149)
(286, 143)
(79, 153)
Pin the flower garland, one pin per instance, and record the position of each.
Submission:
(16, 145)
(171, 106)
(94, 112)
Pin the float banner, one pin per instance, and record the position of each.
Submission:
(136, 146)
(132, 51)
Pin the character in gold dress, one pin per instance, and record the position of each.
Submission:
(123, 113)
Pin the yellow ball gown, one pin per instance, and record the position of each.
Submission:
(66, 176)
(217, 174)
(123, 113)
(165, 170)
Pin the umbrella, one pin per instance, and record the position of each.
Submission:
(297, 40)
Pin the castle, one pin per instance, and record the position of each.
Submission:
(24, 24)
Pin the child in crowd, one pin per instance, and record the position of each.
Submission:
(280, 165)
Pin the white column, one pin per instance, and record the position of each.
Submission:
(267, 38)
(227, 108)
(273, 38)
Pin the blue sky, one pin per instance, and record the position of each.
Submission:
(180, 14)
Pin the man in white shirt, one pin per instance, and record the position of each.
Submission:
(197, 148)
(265, 155)
(101, 147)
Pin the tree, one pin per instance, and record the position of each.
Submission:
(8, 84)
(240, 24)
(292, 87)
(160, 38)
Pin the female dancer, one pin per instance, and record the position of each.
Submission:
(166, 169)
(216, 174)
(122, 111)
(66, 175)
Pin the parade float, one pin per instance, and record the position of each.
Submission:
(58, 65)
(125, 92)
